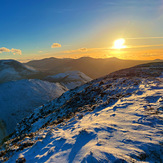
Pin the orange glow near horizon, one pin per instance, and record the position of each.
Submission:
(131, 51)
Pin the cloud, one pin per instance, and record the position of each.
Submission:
(143, 38)
(56, 45)
(14, 51)
(3, 49)
(83, 49)
(145, 46)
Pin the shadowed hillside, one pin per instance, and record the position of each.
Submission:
(90, 66)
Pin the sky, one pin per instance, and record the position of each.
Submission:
(36, 29)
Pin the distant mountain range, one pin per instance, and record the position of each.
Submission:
(116, 118)
(92, 67)
(39, 69)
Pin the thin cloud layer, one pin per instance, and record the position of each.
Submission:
(56, 45)
(143, 38)
(77, 50)
(83, 49)
(14, 51)
(144, 46)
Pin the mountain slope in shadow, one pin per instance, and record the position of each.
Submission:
(92, 67)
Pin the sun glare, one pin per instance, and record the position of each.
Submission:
(119, 44)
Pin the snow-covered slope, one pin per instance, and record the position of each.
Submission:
(13, 70)
(70, 79)
(117, 118)
(19, 98)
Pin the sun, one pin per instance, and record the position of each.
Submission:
(119, 44)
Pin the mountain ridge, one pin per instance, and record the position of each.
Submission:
(93, 67)
(118, 107)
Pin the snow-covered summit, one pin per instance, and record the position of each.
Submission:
(19, 98)
(14, 70)
(116, 118)
(70, 79)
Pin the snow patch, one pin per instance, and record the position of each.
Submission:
(70, 79)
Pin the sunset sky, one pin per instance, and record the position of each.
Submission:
(35, 29)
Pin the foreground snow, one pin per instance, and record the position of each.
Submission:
(111, 119)
(19, 98)
(70, 79)
(129, 130)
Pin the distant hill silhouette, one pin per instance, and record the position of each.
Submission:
(92, 67)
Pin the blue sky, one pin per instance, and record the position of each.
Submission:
(33, 26)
